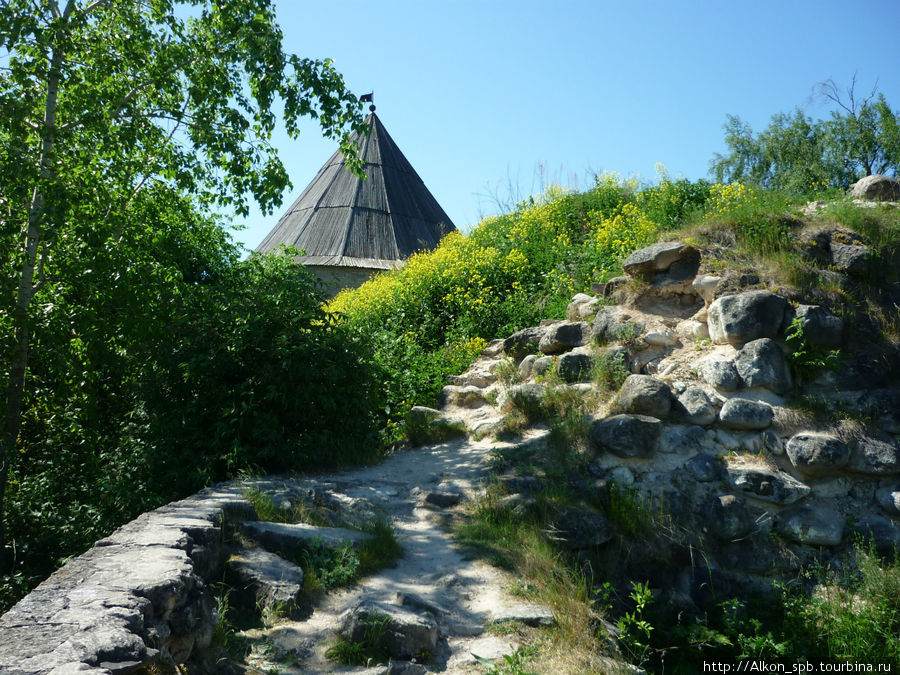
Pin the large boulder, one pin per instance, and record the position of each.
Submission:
(874, 457)
(820, 327)
(876, 187)
(524, 342)
(582, 307)
(883, 533)
(575, 366)
(581, 528)
(761, 363)
(644, 395)
(694, 407)
(811, 525)
(718, 372)
(402, 633)
(612, 323)
(838, 248)
(740, 318)
(562, 337)
(659, 258)
(816, 455)
(728, 518)
(769, 485)
(627, 435)
(741, 414)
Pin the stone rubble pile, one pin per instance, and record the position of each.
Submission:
(703, 424)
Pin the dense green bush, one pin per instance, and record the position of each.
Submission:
(166, 364)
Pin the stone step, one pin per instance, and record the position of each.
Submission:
(265, 579)
(291, 536)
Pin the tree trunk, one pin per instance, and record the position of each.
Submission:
(15, 390)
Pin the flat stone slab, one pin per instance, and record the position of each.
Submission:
(491, 648)
(768, 485)
(530, 615)
(272, 580)
(285, 536)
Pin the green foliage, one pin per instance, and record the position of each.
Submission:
(803, 156)
(807, 360)
(430, 318)
(608, 372)
(513, 664)
(420, 431)
(633, 626)
(369, 650)
(124, 304)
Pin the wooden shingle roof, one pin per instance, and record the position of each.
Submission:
(373, 223)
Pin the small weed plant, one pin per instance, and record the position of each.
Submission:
(634, 628)
(369, 650)
(807, 360)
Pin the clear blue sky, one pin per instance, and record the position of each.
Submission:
(479, 94)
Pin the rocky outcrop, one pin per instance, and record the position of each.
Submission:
(876, 187)
(737, 319)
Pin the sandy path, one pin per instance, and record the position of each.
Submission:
(463, 595)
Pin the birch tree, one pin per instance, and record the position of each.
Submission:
(101, 99)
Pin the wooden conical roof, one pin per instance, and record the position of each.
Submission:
(374, 223)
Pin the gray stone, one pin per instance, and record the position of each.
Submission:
(541, 365)
(491, 648)
(705, 468)
(526, 366)
(719, 372)
(613, 323)
(679, 438)
(268, 579)
(463, 397)
(740, 318)
(564, 336)
(527, 397)
(741, 414)
(816, 455)
(852, 259)
(582, 307)
(443, 497)
(876, 187)
(727, 518)
(405, 634)
(761, 363)
(644, 395)
(838, 248)
(290, 536)
(880, 531)
(530, 615)
(627, 435)
(820, 327)
(141, 584)
(769, 485)
(663, 338)
(420, 414)
(524, 342)
(580, 528)
(574, 366)
(874, 457)
(621, 476)
(811, 525)
(705, 286)
(695, 407)
(888, 498)
(659, 258)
